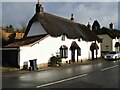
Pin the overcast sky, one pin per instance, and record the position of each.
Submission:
(16, 13)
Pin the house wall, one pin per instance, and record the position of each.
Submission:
(113, 43)
(6, 35)
(107, 41)
(43, 50)
(0, 34)
(19, 35)
(36, 29)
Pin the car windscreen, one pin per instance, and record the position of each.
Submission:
(112, 52)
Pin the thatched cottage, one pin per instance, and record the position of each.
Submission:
(48, 35)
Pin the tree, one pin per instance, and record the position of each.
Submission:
(12, 37)
(96, 25)
(10, 28)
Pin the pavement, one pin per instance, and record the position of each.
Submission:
(14, 72)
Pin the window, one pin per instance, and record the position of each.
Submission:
(79, 52)
(102, 39)
(112, 52)
(63, 37)
(63, 51)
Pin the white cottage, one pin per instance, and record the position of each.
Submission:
(47, 35)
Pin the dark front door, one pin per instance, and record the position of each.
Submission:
(74, 46)
(73, 55)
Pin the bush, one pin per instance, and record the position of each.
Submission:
(55, 61)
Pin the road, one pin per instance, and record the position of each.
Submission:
(94, 74)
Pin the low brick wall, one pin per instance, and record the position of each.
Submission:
(43, 65)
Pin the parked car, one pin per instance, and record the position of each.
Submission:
(112, 55)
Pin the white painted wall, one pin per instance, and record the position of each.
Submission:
(113, 43)
(36, 29)
(43, 50)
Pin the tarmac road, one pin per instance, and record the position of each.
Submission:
(93, 74)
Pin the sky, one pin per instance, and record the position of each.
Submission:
(18, 13)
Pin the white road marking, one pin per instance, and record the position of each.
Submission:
(61, 81)
(109, 68)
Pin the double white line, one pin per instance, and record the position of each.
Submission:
(61, 81)
(109, 68)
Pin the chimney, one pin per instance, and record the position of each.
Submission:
(39, 8)
(72, 19)
(89, 26)
(38, 5)
(111, 26)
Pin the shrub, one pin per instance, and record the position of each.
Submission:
(55, 61)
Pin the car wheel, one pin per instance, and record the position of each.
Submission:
(116, 58)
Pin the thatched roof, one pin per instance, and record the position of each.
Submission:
(56, 26)
(27, 41)
(63, 47)
(94, 46)
(113, 33)
(74, 46)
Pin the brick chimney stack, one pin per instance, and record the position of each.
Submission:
(72, 19)
(39, 7)
(111, 26)
(89, 26)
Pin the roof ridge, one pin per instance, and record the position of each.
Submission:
(68, 20)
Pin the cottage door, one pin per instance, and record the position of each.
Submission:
(73, 55)
(74, 46)
(94, 47)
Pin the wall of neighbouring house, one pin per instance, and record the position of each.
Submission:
(106, 44)
(6, 35)
(113, 43)
(0, 33)
(19, 35)
(43, 50)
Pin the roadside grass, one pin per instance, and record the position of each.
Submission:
(8, 69)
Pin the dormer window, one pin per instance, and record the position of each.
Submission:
(63, 37)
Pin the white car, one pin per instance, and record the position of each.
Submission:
(112, 55)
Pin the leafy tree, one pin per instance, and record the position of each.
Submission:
(12, 37)
(9, 29)
(96, 25)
